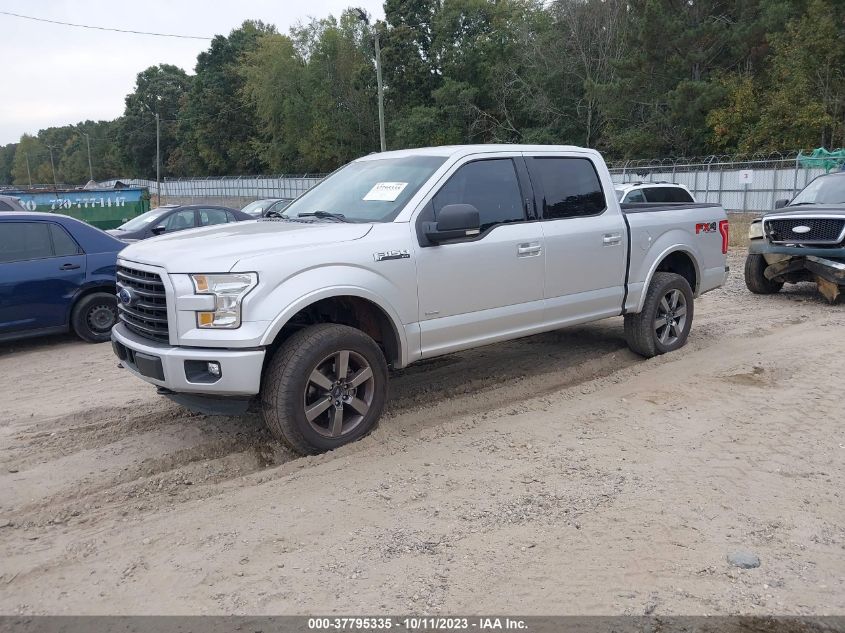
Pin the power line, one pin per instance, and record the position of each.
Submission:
(103, 28)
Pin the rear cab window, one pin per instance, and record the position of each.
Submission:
(569, 186)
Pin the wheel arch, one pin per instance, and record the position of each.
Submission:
(90, 289)
(352, 306)
(678, 259)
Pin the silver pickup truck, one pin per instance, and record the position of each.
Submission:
(398, 257)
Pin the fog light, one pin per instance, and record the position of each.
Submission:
(214, 369)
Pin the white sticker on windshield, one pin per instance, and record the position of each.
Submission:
(386, 191)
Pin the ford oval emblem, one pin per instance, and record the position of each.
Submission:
(801, 229)
(126, 296)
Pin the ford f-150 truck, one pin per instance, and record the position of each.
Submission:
(803, 240)
(402, 256)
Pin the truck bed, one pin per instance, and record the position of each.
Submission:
(654, 207)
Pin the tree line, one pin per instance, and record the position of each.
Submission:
(632, 78)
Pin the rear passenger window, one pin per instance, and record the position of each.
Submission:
(5, 206)
(209, 217)
(22, 241)
(63, 244)
(571, 187)
(635, 196)
(667, 194)
(491, 186)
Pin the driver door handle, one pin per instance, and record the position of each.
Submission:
(69, 267)
(528, 249)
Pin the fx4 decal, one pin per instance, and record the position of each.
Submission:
(711, 227)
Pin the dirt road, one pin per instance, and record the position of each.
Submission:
(556, 474)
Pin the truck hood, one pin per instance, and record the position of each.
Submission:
(809, 210)
(219, 248)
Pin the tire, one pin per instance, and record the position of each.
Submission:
(300, 391)
(755, 280)
(93, 317)
(654, 331)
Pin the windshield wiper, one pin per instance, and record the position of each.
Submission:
(798, 204)
(324, 215)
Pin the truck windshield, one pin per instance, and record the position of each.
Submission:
(368, 190)
(828, 189)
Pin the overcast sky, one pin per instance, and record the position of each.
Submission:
(55, 75)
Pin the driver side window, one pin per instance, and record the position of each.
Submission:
(491, 186)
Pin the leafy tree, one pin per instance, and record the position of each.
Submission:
(219, 129)
(7, 158)
(315, 95)
(158, 89)
(799, 101)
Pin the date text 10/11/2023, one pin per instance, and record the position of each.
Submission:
(417, 623)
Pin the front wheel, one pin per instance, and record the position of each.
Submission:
(94, 316)
(324, 387)
(664, 323)
(755, 280)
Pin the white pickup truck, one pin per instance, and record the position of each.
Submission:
(398, 257)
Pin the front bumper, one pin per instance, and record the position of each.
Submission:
(174, 368)
(764, 247)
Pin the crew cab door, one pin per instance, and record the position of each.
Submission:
(585, 238)
(486, 287)
(41, 268)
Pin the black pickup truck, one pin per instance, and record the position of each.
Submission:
(802, 240)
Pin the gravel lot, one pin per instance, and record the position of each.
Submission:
(555, 474)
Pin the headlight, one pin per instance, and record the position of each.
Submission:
(755, 230)
(228, 290)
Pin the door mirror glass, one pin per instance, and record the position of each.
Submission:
(780, 204)
(158, 229)
(453, 222)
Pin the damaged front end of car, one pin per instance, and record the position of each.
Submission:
(801, 248)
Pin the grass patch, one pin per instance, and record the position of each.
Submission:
(739, 228)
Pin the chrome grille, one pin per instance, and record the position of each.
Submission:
(822, 230)
(146, 314)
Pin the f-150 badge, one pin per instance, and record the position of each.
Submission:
(403, 254)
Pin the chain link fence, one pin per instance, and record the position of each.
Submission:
(233, 191)
(738, 183)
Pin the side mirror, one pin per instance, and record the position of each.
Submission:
(454, 221)
(780, 204)
(158, 229)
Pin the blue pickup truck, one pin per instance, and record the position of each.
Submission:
(56, 274)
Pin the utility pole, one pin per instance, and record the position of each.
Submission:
(53, 167)
(158, 159)
(28, 173)
(362, 15)
(158, 147)
(380, 95)
(90, 164)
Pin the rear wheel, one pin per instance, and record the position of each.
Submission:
(755, 280)
(664, 323)
(325, 387)
(94, 316)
